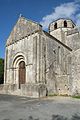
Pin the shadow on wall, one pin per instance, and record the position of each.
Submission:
(54, 117)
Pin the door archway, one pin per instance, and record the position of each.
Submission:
(22, 73)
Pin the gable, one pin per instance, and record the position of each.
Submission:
(22, 28)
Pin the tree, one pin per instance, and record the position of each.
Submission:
(1, 71)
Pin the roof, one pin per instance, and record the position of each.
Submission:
(30, 20)
(57, 41)
(62, 19)
(22, 28)
(30, 27)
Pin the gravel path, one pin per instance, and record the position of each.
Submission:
(23, 108)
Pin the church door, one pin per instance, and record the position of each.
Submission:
(22, 73)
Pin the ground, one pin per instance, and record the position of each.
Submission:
(54, 108)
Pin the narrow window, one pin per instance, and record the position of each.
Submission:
(65, 23)
(55, 26)
(72, 26)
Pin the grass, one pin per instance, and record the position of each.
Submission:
(78, 97)
(65, 95)
(52, 94)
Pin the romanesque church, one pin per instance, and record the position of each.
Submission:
(40, 63)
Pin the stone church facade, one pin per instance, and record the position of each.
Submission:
(40, 63)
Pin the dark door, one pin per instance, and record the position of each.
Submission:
(22, 73)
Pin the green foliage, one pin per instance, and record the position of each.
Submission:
(1, 71)
(78, 97)
(52, 94)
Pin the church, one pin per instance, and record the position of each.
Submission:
(40, 63)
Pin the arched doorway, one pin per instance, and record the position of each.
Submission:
(22, 73)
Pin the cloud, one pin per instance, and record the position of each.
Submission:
(78, 19)
(66, 10)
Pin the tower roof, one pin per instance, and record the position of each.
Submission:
(62, 19)
(60, 23)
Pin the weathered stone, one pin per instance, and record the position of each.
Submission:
(52, 60)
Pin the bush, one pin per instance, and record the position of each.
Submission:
(78, 97)
(1, 71)
(52, 94)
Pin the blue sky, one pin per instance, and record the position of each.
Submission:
(42, 11)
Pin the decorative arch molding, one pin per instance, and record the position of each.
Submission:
(18, 58)
(21, 60)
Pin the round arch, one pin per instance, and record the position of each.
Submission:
(19, 73)
(17, 57)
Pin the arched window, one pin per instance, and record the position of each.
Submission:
(55, 26)
(72, 26)
(65, 23)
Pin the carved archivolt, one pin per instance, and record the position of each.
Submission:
(17, 59)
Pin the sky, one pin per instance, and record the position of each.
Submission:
(42, 11)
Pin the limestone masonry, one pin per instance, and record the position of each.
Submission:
(40, 63)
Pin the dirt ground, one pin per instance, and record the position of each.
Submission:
(54, 108)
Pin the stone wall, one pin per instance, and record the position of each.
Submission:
(73, 39)
(51, 65)
(25, 48)
(75, 72)
(23, 28)
(57, 67)
(46, 62)
(61, 29)
(29, 90)
(63, 85)
(69, 60)
(60, 24)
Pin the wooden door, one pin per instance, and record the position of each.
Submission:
(22, 73)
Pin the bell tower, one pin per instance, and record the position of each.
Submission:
(59, 28)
